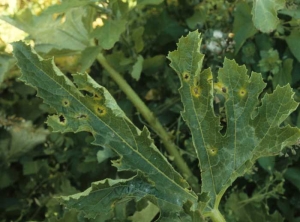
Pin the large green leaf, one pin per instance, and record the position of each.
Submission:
(251, 131)
(110, 32)
(64, 33)
(87, 106)
(265, 14)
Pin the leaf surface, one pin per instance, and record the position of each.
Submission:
(63, 34)
(137, 68)
(87, 106)
(293, 43)
(109, 33)
(265, 14)
(251, 131)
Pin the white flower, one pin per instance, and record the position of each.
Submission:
(214, 47)
(217, 34)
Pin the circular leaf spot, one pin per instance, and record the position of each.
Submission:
(196, 91)
(212, 151)
(65, 103)
(101, 110)
(242, 92)
(186, 76)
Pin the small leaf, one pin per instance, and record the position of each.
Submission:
(137, 68)
(104, 154)
(109, 33)
(137, 37)
(265, 14)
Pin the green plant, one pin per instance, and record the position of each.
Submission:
(253, 128)
(122, 45)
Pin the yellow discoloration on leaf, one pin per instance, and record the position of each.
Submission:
(101, 110)
(62, 119)
(65, 103)
(186, 76)
(242, 92)
(220, 87)
(196, 91)
(212, 151)
(97, 97)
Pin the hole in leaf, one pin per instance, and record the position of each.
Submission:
(62, 119)
(81, 116)
(97, 96)
(86, 92)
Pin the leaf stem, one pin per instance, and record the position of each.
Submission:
(152, 120)
(216, 216)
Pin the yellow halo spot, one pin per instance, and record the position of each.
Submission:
(65, 102)
(220, 87)
(186, 76)
(242, 92)
(100, 110)
(97, 97)
(196, 91)
(62, 119)
(212, 151)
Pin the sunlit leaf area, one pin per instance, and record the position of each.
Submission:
(149, 110)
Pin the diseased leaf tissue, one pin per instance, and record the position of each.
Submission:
(254, 129)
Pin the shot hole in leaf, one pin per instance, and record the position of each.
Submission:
(62, 119)
(81, 116)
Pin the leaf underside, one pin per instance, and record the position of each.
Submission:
(86, 106)
(253, 130)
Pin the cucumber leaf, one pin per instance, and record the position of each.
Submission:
(251, 130)
(86, 106)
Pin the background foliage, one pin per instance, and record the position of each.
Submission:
(38, 165)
